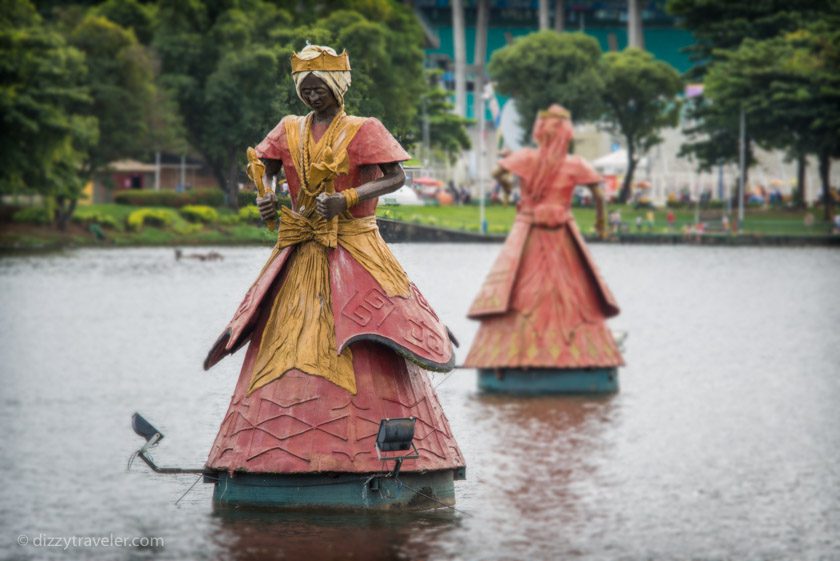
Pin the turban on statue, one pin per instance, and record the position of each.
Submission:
(338, 81)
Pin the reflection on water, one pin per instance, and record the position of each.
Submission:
(558, 439)
(256, 536)
(722, 444)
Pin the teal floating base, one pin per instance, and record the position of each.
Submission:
(539, 381)
(411, 491)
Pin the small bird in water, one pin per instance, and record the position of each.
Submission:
(211, 256)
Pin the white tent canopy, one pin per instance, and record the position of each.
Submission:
(405, 195)
(615, 163)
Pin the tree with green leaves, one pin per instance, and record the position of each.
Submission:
(549, 67)
(121, 83)
(640, 99)
(45, 101)
(713, 135)
(388, 78)
(447, 131)
(817, 56)
(223, 71)
(789, 88)
(228, 66)
(233, 120)
(718, 27)
(130, 14)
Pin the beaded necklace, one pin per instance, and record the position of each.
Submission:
(306, 158)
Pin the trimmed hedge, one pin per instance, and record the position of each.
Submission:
(88, 217)
(159, 217)
(173, 199)
(250, 214)
(200, 213)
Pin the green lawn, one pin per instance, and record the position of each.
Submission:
(500, 219)
(172, 228)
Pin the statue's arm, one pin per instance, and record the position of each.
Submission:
(392, 179)
(504, 177)
(600, 209)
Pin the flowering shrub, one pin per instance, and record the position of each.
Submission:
(200, 213)
(158, 217)
(250, 213)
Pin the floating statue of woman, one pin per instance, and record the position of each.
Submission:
(339, 336)
(543, 306)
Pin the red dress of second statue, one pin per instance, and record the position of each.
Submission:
(544, 305)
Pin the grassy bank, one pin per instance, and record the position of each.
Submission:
(500, 219)
(123, 225)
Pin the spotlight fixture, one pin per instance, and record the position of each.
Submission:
(396, 435)
(146, 430)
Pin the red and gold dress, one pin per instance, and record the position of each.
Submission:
(544, 304)
(339, 336)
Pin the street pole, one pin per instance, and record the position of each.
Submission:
(479, 56)
(742, 162)
(426, 139)
(183, 172)
(481, 157)
(157, 170)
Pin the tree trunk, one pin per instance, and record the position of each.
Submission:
(543, 14)
(233, 184)
(600, 210)
(733, 198)
(635, 38)
(64, 211)
(801, 162)
(221, 177)
(626, 185)
(825, 170)
(559, 16)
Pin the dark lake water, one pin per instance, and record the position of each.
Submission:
(723, 444)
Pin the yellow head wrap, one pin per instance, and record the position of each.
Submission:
(337, 81)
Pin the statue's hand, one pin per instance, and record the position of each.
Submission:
(330, 205)
(268, 206)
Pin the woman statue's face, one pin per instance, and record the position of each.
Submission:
(316, 94)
